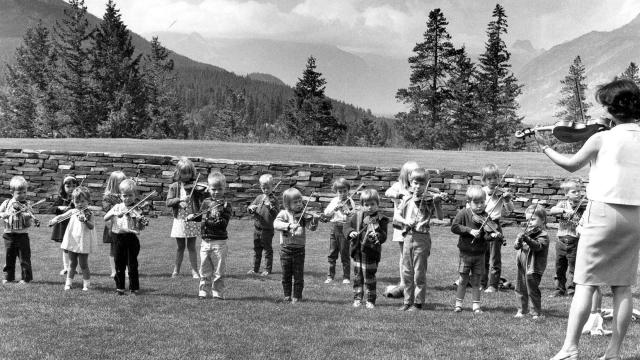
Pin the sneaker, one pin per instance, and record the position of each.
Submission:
(194, 274)
(4, 281)
(174, 274)
(536, 316)
(251, 272)
(113, 275)
(85, 285)
(370, 305)
(63, 272)
(404, 307)
(295, 300)
(570, 292)
(328, 281)
(217, 295)
(415, 307)
(287, 298)
(457, 309)
(346, 281)
(491, 289)
(135, 292)
(557, 293)
(22, 282)
(520, 314)
(67, 287)
(478, 311)
(265, 273)
(202, 294)
(120, 291)
(357, 303)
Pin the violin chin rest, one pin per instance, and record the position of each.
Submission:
(572, 135)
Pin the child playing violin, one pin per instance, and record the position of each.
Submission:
(337, 212)
(17, 218)
(292, 223)
(126, 223)
(414, 213)
(472, 244)
(570, 212)
(498, 204)
(367, 231)
(532, 245)
(264, 209)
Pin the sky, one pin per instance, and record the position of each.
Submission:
(385, 27)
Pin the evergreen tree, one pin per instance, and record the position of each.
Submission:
(308, 117)
(573, 102)
(120, 104)
(498, 87)
(163, 106)
(73, 77)
(424, 126)
(29, 105)
(631, 73)
(462, 106)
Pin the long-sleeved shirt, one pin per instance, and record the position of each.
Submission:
(15, 223)
(129, 223)
(567, 227)
(497, 207)
(176, 191)
(462, 225)
(215, 221)
(357, 222)
(335, 211)
(416, 209)
(57, 234)
(289, 237)
(533, 251)
(264, 215)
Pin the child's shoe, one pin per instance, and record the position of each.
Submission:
(217, 295)
(194, 274)
(478, 311)
(63, 272)
(520, 314)
(113, 275)
(557, 293)
(404, 307)
(295, 300)
(415, 307)
(357, 303)
(202, 294)
(85, 285)
(287, 298)
(329, 280)
(491, 289)
(265, 273)
(22, 282)
(135, 292)
(174, 274)
(67, 284)
(4, 281)
(251, 272)
(537, 316)
(457, 309)
(120, 291)
(346, 281)
(370, 305)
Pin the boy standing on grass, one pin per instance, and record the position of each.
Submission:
(264, 209)
(337, 212)
(213, 248)
(17, 218)
(367, 231)
(567, 244)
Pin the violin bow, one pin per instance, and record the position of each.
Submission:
(221, 203)
(575, 211)
(304, 209)
(272, 192)
(529, 221)
(153, 193)
(194, 186)
(350, 197)
(30, 207)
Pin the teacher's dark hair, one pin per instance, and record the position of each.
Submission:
(621, 98)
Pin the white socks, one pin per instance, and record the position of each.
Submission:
(85, 285)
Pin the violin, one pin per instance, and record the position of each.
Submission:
(18, 222)
(488, 225)
(578, 210)
(213, 209)
(82, 213)
(371, 226)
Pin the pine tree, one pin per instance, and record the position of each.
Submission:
(631, 73)
(75, 97)
(424, 125)
(30, 105)
(163, 105)
(464, 123)
(498, 87)
(308, 117)
(120, 104)
(573, 102)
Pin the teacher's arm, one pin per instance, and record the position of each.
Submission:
(575, 162)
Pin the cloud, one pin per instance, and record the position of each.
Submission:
(389, 27)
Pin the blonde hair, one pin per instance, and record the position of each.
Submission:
(475, 192)
(419, 175)
(186, 165)
(289, 195)
(537, 210)
(113, 183)
(369, 194)
(266, 179)
(81, 191)
(127, 185)
(568, 185)
(18, 183)
(490, 170)
(405, 172)
(341, 183)
(217, 177)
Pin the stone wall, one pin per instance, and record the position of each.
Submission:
(44, 169)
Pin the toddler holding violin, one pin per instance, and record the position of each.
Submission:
(61, 204)
(472, 244)
(292, 223)
(367, 231)
(264, 209)
(414, 213)
(533, 246)
(79, 237)
(498, 204)
(570, 212)
(339, 208)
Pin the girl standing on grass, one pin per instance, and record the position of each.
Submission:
(62, 204)
(79, 237)
(183, 199)
(110, 198)
(397, 192)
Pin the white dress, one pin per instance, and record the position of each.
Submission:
(78, 238)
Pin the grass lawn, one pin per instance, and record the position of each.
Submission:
(523, 163)
(168, 321)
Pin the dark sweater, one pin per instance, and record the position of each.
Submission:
(361, 243)
(462, 224)
(215, 221)
(264, 215)
(57, 234)
(173, 199)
